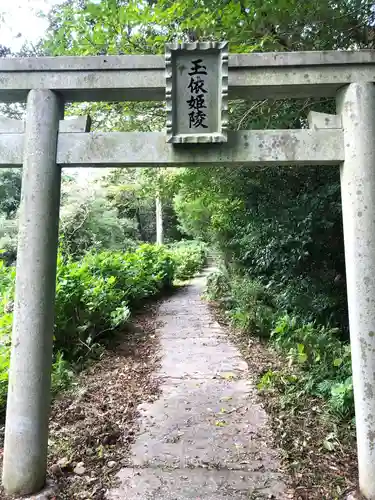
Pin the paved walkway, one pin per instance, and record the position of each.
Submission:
(206, 436)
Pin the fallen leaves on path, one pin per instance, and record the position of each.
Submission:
(92, 428)
(93, 425)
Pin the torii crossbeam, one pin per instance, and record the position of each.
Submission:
(45, 143)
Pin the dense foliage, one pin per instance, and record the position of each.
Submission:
(112, 210)
(189, 258)
(318, 363)
(95, 296)
(10, 195)
(324, 363)
(282, 229)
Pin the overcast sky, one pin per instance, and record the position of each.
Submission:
(20, 17)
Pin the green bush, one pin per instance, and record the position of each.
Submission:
(318, 362)
(94, 296)
(8, 239)
(218, 286)
(7, 276)
(323, 362)
(249, 305)
(189, 258)
(252, 307)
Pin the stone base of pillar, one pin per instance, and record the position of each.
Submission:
(48, 493)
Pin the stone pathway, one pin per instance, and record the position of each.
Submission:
(206, 437)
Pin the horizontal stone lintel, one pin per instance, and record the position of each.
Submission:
(141, 78)
(140, 149)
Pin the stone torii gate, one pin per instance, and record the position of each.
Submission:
(45, 144)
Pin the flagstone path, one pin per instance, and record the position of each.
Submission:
(206, 437)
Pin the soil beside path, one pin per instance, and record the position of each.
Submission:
(206, 436)
(93, 424)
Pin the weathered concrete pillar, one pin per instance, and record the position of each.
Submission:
(26, 432)
(356, 103)
(159, 221)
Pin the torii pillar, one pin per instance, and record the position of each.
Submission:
(30, 370)
(28, 400)
(356, 104)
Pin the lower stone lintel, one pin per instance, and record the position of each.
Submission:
(247, 147)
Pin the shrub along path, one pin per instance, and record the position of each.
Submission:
(206, 436)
